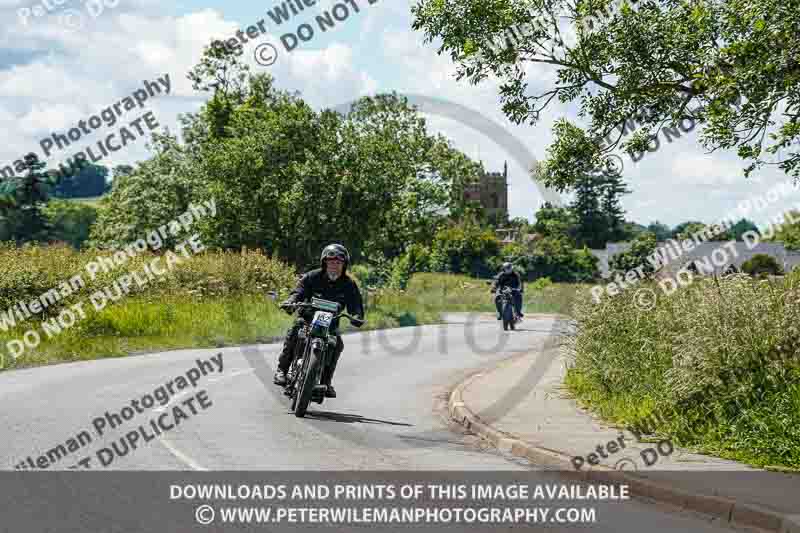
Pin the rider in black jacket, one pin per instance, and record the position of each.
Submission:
(329, 282)
(508, 278)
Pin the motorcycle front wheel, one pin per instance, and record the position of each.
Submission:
(303, 395)
(508, 317)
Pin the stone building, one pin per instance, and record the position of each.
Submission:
(491, 192)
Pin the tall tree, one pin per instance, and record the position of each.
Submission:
(88, 181)
(600, 217)
(289, 179)
(591, 223)
(662, 64)
(25, 196)
(552, 221)
(613, 189)
(156, 193)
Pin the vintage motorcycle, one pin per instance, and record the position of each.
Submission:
(314, 350)
(507, 311)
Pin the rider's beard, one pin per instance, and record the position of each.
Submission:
(333, 275)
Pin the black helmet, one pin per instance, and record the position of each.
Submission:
(335, 250)
(507, 267)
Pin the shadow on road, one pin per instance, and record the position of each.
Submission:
(350, 419)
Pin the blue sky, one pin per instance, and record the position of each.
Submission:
(64, 66)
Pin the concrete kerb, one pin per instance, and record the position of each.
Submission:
(730, 511)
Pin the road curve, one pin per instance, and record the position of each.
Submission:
(388, 416)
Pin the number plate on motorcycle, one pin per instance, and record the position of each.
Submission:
(322, 319)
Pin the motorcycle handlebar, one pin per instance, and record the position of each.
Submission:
(357, 322)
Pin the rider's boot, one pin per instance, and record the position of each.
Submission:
(284, 362)
(327, 376)
(286, 357)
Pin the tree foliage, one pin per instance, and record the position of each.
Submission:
(555, 257)
(661, 231)
(465, 248)
(69, 221)
(660, 63)
(289, 179)
(155, 193)
(761, 264)
(736, 231)
(685, 230)
(599, 215)
(88, 181)
(789, 232)
(21, 201)
(642, 247)
(552, 221)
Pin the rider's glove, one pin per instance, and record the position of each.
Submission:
(287, 307)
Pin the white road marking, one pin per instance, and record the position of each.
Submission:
(182, 457)
(171, 448)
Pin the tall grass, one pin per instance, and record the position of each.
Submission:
(715, 365)
(214, 299)
(27, 272)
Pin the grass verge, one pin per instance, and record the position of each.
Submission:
(714, 367)
(173, 320)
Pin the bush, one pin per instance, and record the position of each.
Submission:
(377, 272)
(70, 221)
(416, 259)
(555, 258)
(716, 363)
(642, 247)
(464, 249)
(539, 285)
(761, 264)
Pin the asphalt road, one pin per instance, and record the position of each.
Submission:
(388, 415)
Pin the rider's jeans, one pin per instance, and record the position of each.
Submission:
(285, 359)
(517, 299)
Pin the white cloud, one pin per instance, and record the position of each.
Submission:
(700, 169)
(60, 77)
